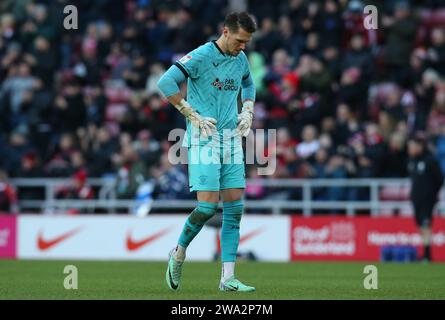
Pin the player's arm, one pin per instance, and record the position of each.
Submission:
(169, 86)
(248, 98)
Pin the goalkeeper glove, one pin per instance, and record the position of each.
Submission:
(245, 118)
(206, 125)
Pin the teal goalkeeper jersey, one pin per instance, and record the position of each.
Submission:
(213, 84)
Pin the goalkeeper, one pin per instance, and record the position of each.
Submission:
(215, 73)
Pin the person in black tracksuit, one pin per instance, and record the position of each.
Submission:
(426, 182)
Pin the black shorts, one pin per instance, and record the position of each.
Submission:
(424, 213)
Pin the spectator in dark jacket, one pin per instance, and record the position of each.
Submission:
(358, 56)
(99, 155)
(401, 34)
(329, 23)
(268, 40)
(69, 110)
(43, 60)
(394, 162)
(11, 153)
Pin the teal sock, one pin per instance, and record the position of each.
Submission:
(195, 221)
(232, 212)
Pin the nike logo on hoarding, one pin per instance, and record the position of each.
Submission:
(135, 245)
(44, 244)
(250, 235)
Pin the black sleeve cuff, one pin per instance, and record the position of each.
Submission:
(182, 69)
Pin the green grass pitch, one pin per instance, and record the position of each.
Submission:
(30, 279)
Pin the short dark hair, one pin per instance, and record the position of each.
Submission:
(236, 20)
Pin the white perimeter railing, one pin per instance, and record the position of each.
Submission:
(385, 197)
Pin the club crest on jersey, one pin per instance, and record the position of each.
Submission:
(227, 85)
(185, 59)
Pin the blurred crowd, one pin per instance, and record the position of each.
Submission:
(84, 103)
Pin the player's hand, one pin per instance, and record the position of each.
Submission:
(206, 125)
(245, 118)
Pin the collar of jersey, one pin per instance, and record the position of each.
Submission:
(217, 47)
